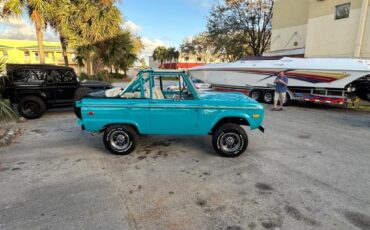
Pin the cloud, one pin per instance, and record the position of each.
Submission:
(132, 27)
(149, 46)
(201, 3)
(19, 28)
(149, 43)
(22, 29)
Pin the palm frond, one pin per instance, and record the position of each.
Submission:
(6, 112)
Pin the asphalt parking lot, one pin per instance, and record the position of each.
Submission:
(310, 170)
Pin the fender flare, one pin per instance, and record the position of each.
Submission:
(232, 115)
(135, 125)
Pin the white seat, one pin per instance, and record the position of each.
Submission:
(128, 95)
(114, 92)
(157, 93)
(137, 94)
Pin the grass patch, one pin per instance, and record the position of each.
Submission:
(359, 104)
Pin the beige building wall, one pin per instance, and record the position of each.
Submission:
(329, 37)
(289, 24)
(365, 50)
(309, 26)
(199, 58)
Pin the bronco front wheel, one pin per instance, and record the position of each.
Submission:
(230, 140)
(120, 139)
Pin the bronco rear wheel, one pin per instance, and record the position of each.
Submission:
(230, 140)
(120, 139)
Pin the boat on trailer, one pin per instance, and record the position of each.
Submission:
(325, 80)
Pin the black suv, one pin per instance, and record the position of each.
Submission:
(36, 87)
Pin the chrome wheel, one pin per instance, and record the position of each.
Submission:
(120, 140)
(230, 142)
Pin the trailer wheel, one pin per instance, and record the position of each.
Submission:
(255, 94)
(288, 100)
(268, 97)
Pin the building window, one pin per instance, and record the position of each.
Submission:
(46, 54)
(342, 11)
(26, 56)
(36, 56)
(199, 59)
(5, 53)
(186, 58)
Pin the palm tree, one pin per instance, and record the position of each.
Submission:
(171, 55)
(37, 11)
(90, 23)
(176, 55)
(83, 23)
(121, 51)
(59, 20)
(6, 112)
(160, 54)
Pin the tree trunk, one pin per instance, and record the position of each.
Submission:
(64, 43)
(88, 66)
(125, 72)
(39, 42)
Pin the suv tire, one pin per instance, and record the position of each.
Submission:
(120, 139)
(230, 140)
(78, 95)
(31, 107)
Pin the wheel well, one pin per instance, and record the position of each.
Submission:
(235, 120)
(131, 125)
(19, 97)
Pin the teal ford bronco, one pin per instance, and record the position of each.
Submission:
(167, 103)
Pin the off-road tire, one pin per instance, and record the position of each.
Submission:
(127, 130)
(230, 129)
(27, 103)
(78, 95)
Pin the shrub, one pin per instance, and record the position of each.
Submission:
(6, 111)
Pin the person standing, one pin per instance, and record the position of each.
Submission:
(281, 83)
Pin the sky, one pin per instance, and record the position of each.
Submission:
(165, 22)
(157, 22)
